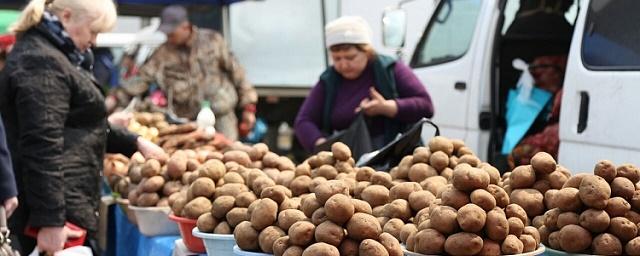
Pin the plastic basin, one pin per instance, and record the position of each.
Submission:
(540, 251)
(154, 221)
(552, 252)
(215, 244)
(239, 252)
(124, 206)
(185, 226)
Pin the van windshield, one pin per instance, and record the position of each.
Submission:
(611, 39)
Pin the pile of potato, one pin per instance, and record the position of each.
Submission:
(595, 213)
(147, 125)
(527, 184)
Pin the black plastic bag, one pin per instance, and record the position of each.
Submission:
(356, 137)
(391, 154)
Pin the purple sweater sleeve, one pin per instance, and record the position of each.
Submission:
(309, 120)
(414, 102)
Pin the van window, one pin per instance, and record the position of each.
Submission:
(611, 39)
(449, 33)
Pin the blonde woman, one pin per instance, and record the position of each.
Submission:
(56, 120)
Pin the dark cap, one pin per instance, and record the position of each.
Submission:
(171, 17)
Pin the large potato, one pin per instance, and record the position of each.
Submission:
(606, 170)
(399, 208)
(531, 200)
(222, 205)
(302, 233)
(421, 199)
(421, 171)
(372, 247)
(363, 226)
(622, 228)
(471, 218)
(329, 188)
(497, 225)
(246, 236)
(376, 195)
(501, 196)
(264, 214)
(596, 221)
(196, 207)
(268, 236)
(237, 215)
(522, 177)
(403, 190)
(330, 233)
(321, 249)
(617, 207)
(574, 238)
(568, 199)
(288, 217)
(440, 143)
(444, 219)
(622, 187)
(463, 244)
(630, 172)
(467, 178)
(339, 209)
(391, 244)
(341, 151)
(606, 244)
(594, 192)
(454, 198)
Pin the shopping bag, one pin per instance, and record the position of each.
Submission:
(357, 137)
(391, 154)
(71, 251)
(524, 104)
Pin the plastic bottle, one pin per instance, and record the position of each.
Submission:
(206, 119)
(285, 136)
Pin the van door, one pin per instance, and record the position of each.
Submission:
(599, 117)
(450, 59)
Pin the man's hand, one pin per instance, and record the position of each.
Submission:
(150, 150)
(377, 105)
(10, 205)
(52, 239)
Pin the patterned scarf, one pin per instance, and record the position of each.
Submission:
(52, 29)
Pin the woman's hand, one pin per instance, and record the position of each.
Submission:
(150, 150)
(377, 105)
(10, 205)
(120, 118)
(52, 239)
(320, 141)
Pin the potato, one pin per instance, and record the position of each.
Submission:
(268, 236)
(406, 230)
(594, 192)
(606, 244)
(393, 227)
(403, 190)
(324, 157)
(484, 199)
(270, 160)
(574, 238)
(434, 184)
(321, 249)
(176, 166)
(293, 251)
(246, 236)
(153, 184)
(467, 178)
(447, 173)
(496, 226)
(303, 169)
(376, 195)
(421, 171)
(196, 207)
(237, 215)
(222, 205)
(349, 247)
(533, 232)
(463, 244)
(391, 244)
(258, 151)
(309, 205)
(514, 210)
(264, 214)
(568, 199)
(206, 223)
(622, 228)
(363, 226)
(622, 187)
(150, 168)
(444, 219)
(300, 185)
(568, 218)
(382, 178)
(340, 151)
(512, 245)
(262, 183)
(440, 143)
(454, 197)
(361, 206)
(213, 169)
(471, 218)
(372, 247)
(606, 170)
(551, 218)
(574, 181)
(542, 186)
(429, 241)
(237, 156)
(301, 233)
(596, 221)
(489, 247)
(233, 177)
(531, 200)
(330, 233)
(421, 199)
(550, 198)
(280, 246)
(364, 173)
(327, 189)
(277, 193)
(537, 221)
(203, 186)
(633, 216)
(501, 196)
(339, 209)
(516, 227)
(617, 207)
(633, 247)
(522, 177)
(439, 160)
(629, 171)
(556, 180)
(231, 189)
(244, 199)
(494, 174)
(543, 163)
(399, 208)
(178, 204)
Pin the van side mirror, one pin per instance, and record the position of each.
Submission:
(394, 24)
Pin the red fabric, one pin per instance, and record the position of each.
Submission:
(6, 41)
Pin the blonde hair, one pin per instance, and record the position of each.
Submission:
(103, 13)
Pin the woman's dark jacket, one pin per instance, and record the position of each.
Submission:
(57, 133)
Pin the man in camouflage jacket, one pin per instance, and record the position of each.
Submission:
(195, 65)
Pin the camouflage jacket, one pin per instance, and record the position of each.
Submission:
(204, 69)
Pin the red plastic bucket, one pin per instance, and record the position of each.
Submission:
(185, 226)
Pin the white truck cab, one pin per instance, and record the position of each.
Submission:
(464, 59)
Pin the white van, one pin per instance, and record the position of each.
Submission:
(464, 58)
